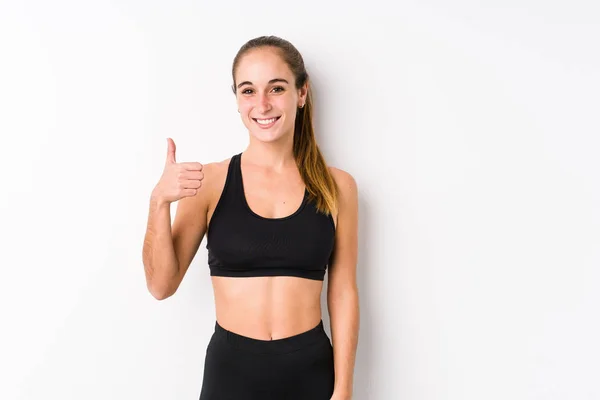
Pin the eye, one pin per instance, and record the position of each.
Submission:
(246, 91)
(278, 89)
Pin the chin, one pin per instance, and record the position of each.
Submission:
(267, 136)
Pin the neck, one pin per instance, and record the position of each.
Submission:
(275, 155)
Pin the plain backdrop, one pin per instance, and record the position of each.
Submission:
(471, 128)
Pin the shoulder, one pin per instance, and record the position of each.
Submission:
(347, 194)
(344, 181)
(214, 171)
(215, 176)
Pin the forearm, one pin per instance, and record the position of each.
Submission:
(160, 261)
(345, 323)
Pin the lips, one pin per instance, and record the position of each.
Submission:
(266, 122)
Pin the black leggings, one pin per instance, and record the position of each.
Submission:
(298, 367)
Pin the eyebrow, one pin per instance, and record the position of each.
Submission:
(270, 82)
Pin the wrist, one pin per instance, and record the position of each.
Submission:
(158, 201)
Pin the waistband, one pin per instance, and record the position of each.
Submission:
(277, 346)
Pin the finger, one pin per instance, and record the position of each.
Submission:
(170, 151)
(191, 184)
(192, 166)
(193, 175)
(189, 192)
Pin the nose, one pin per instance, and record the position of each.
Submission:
(263, 104)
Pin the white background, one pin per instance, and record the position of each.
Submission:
(471, 128)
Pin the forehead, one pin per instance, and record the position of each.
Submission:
(261, 65)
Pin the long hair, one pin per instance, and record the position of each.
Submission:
(311, 163)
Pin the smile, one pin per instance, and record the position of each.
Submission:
(266, 123)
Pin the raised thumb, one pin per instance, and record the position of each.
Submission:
(170, 151)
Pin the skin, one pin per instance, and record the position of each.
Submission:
(276, 307)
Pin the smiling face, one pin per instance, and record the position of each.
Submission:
(266, 95)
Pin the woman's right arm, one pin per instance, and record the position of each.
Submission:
(168, 251)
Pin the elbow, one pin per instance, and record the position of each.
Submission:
(160, 295)
(160, 291)
(346, 295)
(160, 285)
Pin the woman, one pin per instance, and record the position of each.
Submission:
(276, 217)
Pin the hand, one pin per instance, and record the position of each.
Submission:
(178, 180)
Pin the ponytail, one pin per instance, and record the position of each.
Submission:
(311, 163)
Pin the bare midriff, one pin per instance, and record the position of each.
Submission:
(267, 307)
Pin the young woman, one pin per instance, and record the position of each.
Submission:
(276, 217)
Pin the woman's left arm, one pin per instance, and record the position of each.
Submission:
(342, 289)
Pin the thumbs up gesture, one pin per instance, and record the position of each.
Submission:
(178, 180)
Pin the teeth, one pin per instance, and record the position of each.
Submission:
(265, 121)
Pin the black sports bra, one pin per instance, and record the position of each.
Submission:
(242, 243)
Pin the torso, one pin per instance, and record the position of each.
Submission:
(265, 307)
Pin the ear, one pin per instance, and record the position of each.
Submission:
(302, 93)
